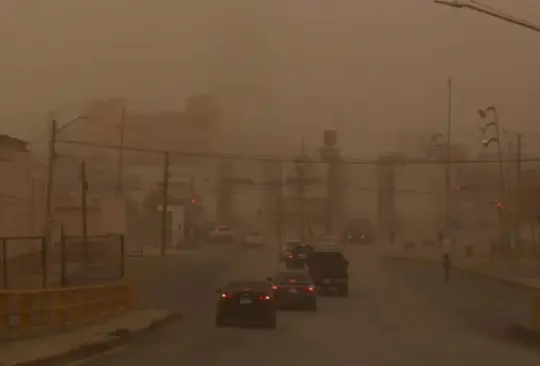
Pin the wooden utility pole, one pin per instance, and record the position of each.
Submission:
(164, 205)
(448, 172)
(279, 203)
(519, 191)
(84, 189)
(50, 185)
(121, 151)
(301, 194)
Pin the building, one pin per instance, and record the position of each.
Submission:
(195, 129)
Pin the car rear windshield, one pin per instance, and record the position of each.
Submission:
(333, 257)
(291, 244)
(286, 277)
(253, 286)
(303, 249)
(224, 229)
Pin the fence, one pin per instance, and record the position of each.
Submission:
(95, 260)
(23, 262)
(71, 262)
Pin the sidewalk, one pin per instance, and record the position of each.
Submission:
(83, 342)
(523, 272)
(154, 251)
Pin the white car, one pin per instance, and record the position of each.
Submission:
(254, 239)
(222, 233)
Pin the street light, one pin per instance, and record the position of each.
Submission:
(475, 6)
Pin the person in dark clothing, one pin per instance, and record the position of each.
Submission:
(446, 266)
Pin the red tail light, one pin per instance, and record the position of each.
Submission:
(226, 296)
(290, 256)
(264, 297)
(310, 288)
(274, 287)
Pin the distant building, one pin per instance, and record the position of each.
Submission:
(196, 129)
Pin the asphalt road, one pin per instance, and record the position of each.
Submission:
(390, 318)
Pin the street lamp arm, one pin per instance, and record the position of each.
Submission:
(67, 124)
(494, 14)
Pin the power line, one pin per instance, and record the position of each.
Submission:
(390, 161)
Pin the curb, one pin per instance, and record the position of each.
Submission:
(119, 337)
(471, 271)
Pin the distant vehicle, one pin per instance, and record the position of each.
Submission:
(246, 302)
(332, 241)
(294, 290)
(287, 247)
(254, 239)
(358, 231)
(298, 256)
(329, 270)
(222, 233)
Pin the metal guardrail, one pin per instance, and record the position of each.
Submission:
(35, 312)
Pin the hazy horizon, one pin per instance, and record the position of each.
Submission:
(276, 65)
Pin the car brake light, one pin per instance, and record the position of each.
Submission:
(290, 255)
(274, 287)
(265, 297)
(310, 288)
(226, 296)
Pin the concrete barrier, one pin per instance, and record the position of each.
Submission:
(37, 312)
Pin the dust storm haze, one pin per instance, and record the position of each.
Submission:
(282, 69)
(410, 264)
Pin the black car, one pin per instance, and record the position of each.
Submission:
(329, 270)
(298, 255)
(246, 302)
(294, 290)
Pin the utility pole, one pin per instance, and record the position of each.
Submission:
(448, 175)
(279, 202)
(50, 184)
(164, 205)
(84, 226)
(519, 191)
(121, 150)
(301, 193)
